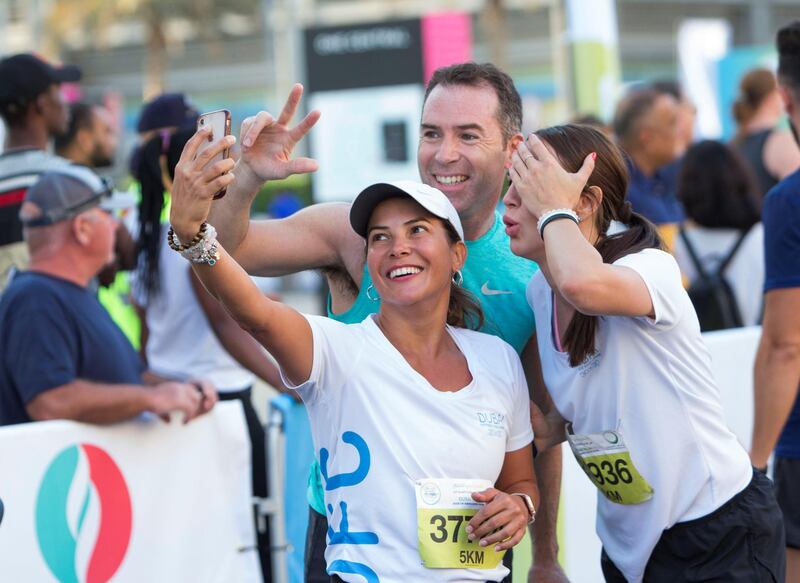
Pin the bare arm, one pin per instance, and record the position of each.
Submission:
(238, 343)
(316, 237)
(781, 154)
(589, 285)
(777, 371)
(548, 463)
(101, 403)
(576, 268)
(284, 332)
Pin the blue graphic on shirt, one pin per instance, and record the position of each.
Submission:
(346, 480)
(352, 478)
(344, 536)
(356, 568)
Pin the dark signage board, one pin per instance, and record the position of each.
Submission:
(365, 55)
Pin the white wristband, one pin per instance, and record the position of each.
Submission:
(555, 214)
(205, 250)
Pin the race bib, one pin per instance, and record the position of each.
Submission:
(444, 508)
(606, 460)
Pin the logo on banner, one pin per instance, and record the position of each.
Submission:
(83, 515)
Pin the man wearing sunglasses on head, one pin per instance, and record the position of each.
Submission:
(61, 355)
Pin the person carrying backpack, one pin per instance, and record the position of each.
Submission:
(710, 291)
(720, 247)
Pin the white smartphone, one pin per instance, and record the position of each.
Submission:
(220, 123)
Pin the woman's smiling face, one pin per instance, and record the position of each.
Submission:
(410, 256)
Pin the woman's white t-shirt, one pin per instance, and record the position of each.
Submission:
(649, 379)
(745, 273)
(384, 426)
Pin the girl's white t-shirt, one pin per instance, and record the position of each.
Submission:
(181, 343)
(650, 379)
(382, 426)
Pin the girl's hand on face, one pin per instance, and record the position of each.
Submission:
(542, 183)
(501, 522)
(196, 182)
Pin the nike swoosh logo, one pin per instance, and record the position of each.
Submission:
(485, 290)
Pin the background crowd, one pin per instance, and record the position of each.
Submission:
(725, 210)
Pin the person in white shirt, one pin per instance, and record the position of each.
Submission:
(623, 358)
(718, 195)
(422, 427)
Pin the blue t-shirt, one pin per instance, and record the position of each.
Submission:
(498, 280)
(53, 332)
(781, 218)
(495, 276)
(655, 196)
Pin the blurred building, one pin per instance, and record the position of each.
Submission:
(245, 53)
(226, 49)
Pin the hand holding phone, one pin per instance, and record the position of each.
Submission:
(220, 123)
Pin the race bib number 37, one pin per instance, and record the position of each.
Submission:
(444, 508)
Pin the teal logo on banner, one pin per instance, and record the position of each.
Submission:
(83, 515)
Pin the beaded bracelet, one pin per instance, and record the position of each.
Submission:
(204, 248)
(205, 251)
(176, 245)
(553, 215)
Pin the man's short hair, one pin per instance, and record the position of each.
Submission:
(669, 87)
(509, 111)
(630, 111)
(80, 118)
(788, 44)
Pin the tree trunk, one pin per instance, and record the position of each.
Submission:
(494, 26)
(156, 56)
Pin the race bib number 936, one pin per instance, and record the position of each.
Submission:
(606, 460)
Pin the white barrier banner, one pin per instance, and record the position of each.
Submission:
(138, 501)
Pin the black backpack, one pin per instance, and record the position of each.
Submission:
(711, 293)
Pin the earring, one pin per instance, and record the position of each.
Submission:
(369, 295)
(458, 278)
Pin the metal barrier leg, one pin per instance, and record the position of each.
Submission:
(273, 506)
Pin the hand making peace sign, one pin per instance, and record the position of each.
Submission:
(267, 143)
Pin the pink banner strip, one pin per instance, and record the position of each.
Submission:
(446, 39)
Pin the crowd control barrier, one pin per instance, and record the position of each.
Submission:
(138, 501)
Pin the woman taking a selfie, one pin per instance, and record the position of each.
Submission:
(625, 364)
(418, 422)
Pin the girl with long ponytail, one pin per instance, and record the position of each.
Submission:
(624, 361)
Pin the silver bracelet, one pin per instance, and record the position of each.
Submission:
(528, 504)
(555, 214)
(205, 250)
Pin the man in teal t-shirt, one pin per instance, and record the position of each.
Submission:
(470, 127)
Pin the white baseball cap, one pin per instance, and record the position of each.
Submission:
(431, 199)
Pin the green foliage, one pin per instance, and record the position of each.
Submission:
(298, 184)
